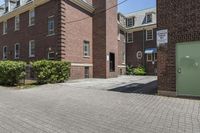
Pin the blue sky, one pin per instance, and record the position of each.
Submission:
(131, 5)
(135, 5)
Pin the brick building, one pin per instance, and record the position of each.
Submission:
(178, 61)
(138, 31)
(78, 31)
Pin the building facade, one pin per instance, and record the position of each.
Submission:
(71, 30)
(179, 59)
(139, 32)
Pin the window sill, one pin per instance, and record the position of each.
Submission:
(86, 56)
(32, 56)
(31, 25)
(149, 40)
(53, 34)
(130, 42)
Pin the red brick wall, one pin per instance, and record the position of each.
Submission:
(38, 32)
(139, 38)
(75, 32)
(182, 19)
(78, 72)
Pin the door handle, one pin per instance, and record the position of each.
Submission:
(179, 70)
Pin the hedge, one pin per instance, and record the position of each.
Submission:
(11, 72)
(51, 71)
(135, 71)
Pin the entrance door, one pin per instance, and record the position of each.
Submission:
(188, 69)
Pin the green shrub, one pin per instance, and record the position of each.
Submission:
(51, 71)
(139, 71)
(129, 70)
(135, 71)
(11, 72)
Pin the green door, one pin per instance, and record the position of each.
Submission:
(188, 68)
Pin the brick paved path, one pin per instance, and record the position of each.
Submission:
(85, 106)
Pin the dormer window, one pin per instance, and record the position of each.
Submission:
(130, 22)
(18, 3)
(6, 9)
(149, 18)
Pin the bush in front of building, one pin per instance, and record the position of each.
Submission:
(11, 72)
(139, 71)
(129, 70)
(47, 71)
(135, 71)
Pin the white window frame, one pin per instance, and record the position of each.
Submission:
(147, 18)
(51, 21)
(130, 20)
(149, 60)
(51, 58)
(17, 23)
(32, 16)
(5, 55)
(128, 39)
(149, 39)
(17, 54)
(86, 53)
(5, 27)
(31, 42)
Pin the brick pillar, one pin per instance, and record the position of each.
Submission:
(61, 29)
(104, 38)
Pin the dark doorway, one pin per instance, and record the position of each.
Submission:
(112, 62)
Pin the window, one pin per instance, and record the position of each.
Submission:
(129, 37)
(130, 22)
(31, 17)
(32, 48)
(17, 26)
(149, 57)
(17, 50)
(5, 52)
(86, 49)
(149, 35)
(5, 27)
(149, 18)
(51, 26)
(51, 55)
(112, 62)
(18, 3)
(86, 72)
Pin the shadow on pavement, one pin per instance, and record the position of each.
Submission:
(149, 88)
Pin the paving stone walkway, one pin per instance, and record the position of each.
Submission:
(91, 106)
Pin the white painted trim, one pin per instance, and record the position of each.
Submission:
(22, 9)
(81, 65)
(121, 66)
(84, 5)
